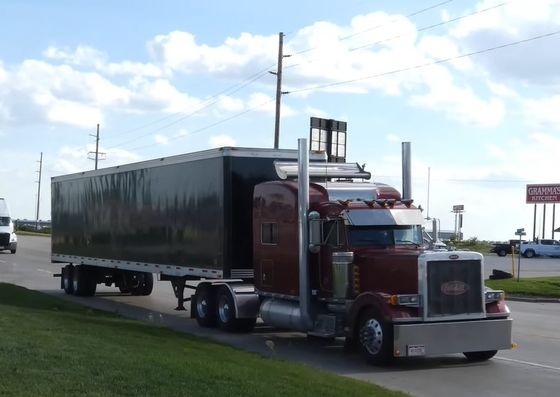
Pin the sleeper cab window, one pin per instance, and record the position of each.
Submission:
(269, 233)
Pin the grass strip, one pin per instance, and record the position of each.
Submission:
(26, 233)
(538, 286)
(52, 347)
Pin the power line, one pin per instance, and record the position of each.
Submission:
(213, 124)
(436, 25)
(235, 88)
(205, 104)
(378, 26)
(423, 65)
(422, 29)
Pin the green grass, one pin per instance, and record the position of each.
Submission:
(473, 244)
(538, 286)
(27, 233)
(51, 347)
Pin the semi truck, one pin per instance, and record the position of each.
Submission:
(8, 238)
(283, 237)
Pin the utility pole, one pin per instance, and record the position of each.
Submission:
(279, 92)
(39, 191)
(96, 153)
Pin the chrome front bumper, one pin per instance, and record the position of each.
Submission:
(432, 339)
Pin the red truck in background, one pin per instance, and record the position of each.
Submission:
(261, 233)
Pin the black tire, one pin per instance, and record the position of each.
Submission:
(205, 306)
(226, 315)
(83, 281)
(502, 252)
(375, 338)
(66, 282)
(480, 356)
(139, 283)
(13, 251)
(529, 254)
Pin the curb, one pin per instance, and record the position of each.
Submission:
(533, 299)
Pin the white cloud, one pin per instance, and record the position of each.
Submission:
(93, 58)
(73, 159)
(221, 140)
(315, 112)
(161, 139)
(82, 56)
(459, 102)
(72, 113)
(544, 112)
(179, 51)
(393, 138)
(535, 62)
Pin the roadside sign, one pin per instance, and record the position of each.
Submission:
(544, 193)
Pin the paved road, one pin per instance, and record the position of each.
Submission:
(532, 369)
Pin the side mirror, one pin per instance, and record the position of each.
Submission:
(315, 232)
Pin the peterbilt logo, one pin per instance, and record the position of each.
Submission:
(454, 288)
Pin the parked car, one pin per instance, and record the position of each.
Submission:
(542, 247)
(502, 249)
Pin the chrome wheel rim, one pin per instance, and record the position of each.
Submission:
(371, 336)
(202, 308)
(224, 311)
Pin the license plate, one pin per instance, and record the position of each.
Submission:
(416, 350)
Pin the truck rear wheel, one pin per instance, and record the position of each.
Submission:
(375, 338)
(502, 252)
(480, 356)
(67, 284)
(83, 281)
(226, 315)
(205, 306)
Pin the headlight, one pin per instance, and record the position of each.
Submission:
(405, 300)
(494, 296)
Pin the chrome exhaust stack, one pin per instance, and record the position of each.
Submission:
(406, 171)
(288, 313)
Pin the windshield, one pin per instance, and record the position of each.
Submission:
(4, 221)
(385, 235)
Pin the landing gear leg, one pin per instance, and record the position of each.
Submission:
(179, 285)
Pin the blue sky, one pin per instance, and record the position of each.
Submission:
(170, 77)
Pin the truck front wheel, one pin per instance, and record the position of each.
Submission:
(375, 338)
(480, 356)
(529, 254)
(205, 306)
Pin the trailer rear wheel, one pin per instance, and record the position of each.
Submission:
(205, 306)
(67, 284)
(480, 356)
(375, 338)
(226, 314)
(83, 281)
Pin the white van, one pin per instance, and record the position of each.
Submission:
(8, 238)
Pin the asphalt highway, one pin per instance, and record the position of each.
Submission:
(531, 369)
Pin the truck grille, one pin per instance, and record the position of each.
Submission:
(4, 239)
(454, 288)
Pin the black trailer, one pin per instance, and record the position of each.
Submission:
(183, 217)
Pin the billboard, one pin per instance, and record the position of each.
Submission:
(542, 194)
